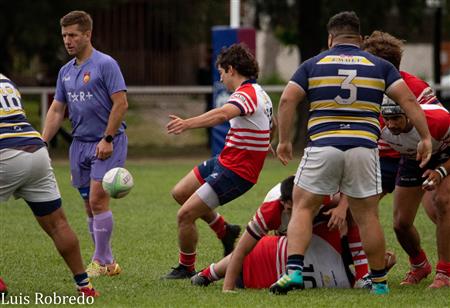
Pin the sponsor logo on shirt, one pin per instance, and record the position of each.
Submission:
(66, 78)
(80, 96)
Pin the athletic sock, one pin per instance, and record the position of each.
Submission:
(81, 280)
(294, 263)
(187, 260)
(359, 257)
(90, 221)
(210, 273)
(418, 261)
(443, 267)
(218, 225)
(103, 226)
(379, 276)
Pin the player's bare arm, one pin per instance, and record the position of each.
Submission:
(118, 111)
(53, 120)
(291, 97)
(211, 118)
(244, 247)
(338, 214)
(402, 95)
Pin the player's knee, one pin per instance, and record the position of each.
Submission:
(401, 225)
(441, 203)
(179, 194)
(185, 217)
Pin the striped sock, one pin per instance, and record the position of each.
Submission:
(82, 280)
(218, 225)
(187, 260)
(210, 273)
(419, 261)
(378, 276)
(359, 257)
(294, 263)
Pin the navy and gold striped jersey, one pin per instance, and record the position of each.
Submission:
(345, 87)
(15, 130)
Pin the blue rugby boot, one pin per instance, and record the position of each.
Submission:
(287, 283)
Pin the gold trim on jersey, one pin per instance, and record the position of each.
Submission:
(23, 134)
(14, 124)
(356, 106)
(336, 81)
(345, 133)
(346, 119)
(346, 60)
(11, 112)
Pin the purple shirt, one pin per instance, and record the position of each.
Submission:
(87, 90)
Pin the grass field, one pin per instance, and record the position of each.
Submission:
(145, 245)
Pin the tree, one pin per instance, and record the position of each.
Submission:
(30, 33)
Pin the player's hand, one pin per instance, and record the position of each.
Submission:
(432, 180)
(104, 149)
(424, 150)
(176, 125)
(284, 152)
(337, 218)
(272, 150)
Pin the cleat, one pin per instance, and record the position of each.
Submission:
(3, 287)
(415, 275)
(87, 291)
(390, 260)
(95, 269)
(363, 283)
(180, 272)
(232, 233)
(287, 283)
(380, 289)
(200, 280)
(440, 281)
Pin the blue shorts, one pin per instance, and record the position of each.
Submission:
(389, 169)
(225, 183)
(409, 172)
(84, 166)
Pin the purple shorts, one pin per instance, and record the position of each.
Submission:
(84, 166)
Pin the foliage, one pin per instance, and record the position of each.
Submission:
(145, 245)
(30, 30)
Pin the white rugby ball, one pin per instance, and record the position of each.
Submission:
(118, 182)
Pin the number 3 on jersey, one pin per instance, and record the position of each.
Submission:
(347, 85)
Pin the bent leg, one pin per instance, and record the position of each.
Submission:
(66, 242)
(365, 214)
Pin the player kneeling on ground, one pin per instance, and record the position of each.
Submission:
(259, 260)
(25, 172)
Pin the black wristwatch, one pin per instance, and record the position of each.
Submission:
(108, 138)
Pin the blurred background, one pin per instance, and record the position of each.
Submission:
(164, 50)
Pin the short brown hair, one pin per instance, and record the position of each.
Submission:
(80, 18)
(385, 46)
(240, 58)
(344, 23)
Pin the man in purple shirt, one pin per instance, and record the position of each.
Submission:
(92, 86)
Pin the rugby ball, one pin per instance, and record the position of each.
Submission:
(118, 182)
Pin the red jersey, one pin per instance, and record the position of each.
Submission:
(248, 140)
(324, 266)
(270, 215)
(424, 95)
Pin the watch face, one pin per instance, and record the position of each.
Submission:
(108, 138)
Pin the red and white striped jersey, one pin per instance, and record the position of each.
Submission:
(438, 120)
(424, 95)
(248, 140)
(270, 216)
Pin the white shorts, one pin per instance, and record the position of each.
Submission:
(327, 170)
(27, 175)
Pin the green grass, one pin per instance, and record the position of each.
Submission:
(145, 245)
